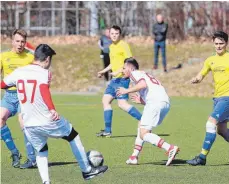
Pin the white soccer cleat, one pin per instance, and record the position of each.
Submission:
(133, 160)
(172, 154)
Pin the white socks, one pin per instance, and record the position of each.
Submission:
(80, 155)
(42, 164)
(156, 141)
(138, 144)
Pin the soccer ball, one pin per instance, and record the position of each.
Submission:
(95, 158)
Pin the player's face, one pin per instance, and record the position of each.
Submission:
(220, 46)
(126, 70)
(114, 35)
(18, 43)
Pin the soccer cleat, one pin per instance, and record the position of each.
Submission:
(47, 182)
(28, 164)
(173, 151)
(196, 161)
(16, 160)
(133, 160)
(102, 133)
(95, 171)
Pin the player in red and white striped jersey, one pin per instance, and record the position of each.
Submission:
(40, 118)
(157, 105)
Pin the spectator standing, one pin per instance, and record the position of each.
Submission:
(104, 43)
(160, 30)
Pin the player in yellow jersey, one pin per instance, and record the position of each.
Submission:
(119, 51)
(10, 60)
(217, 121)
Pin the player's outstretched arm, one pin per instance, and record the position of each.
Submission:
(140, 85)
(113, 74)
(197, 79)
(101, 73)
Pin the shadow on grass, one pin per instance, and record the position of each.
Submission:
(176, 162)
(51, 164)
(123, 136)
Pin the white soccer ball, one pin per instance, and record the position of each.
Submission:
(95, 158)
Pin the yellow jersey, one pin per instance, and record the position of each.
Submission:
(11, 60)
(118, 53)
(219, 65)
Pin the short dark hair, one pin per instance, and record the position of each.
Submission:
(43, 51)
(220, 35)
(133, 62)
(117, 28)
(20, 32)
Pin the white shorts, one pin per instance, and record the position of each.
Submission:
(153, 115)
(38, 135)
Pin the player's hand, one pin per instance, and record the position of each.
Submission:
(121, 91)
(135, 97)
(55, 115)
(195, 80)
(100, 74)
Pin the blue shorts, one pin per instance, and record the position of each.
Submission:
(221, 109)
(115, 84)
(10, 101)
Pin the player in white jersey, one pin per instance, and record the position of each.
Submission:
(153, 95)
(39, 115)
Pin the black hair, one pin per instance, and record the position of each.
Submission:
(221, 35)
(133, 62)
(117, 28)
(43, 51)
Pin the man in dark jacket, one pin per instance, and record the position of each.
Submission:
(159, 31)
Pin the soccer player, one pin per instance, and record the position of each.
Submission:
(40, 118)
(10, 60)
(119, 51)
(156, 106)
(218, 64)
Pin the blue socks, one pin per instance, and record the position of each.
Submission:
(208, 141)
(135, 113)
(109, 113)
(29, 149)
(7, 138)
(108, 119)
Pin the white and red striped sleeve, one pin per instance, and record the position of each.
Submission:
(45, 92)
(9, 80)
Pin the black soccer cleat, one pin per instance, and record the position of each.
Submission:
(47, 182)
(102, 133)
(95, 171)
(28, 164)
(196, 161)
(16, 160)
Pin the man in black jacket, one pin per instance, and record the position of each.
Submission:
(159, 31)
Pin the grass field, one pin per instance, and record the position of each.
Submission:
(184, 126)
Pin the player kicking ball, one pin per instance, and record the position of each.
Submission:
(40, 118)
(157, 105)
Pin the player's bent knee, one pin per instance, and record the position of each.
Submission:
(71, 136)
(143, 132)
(211, 127)
(45, 148)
